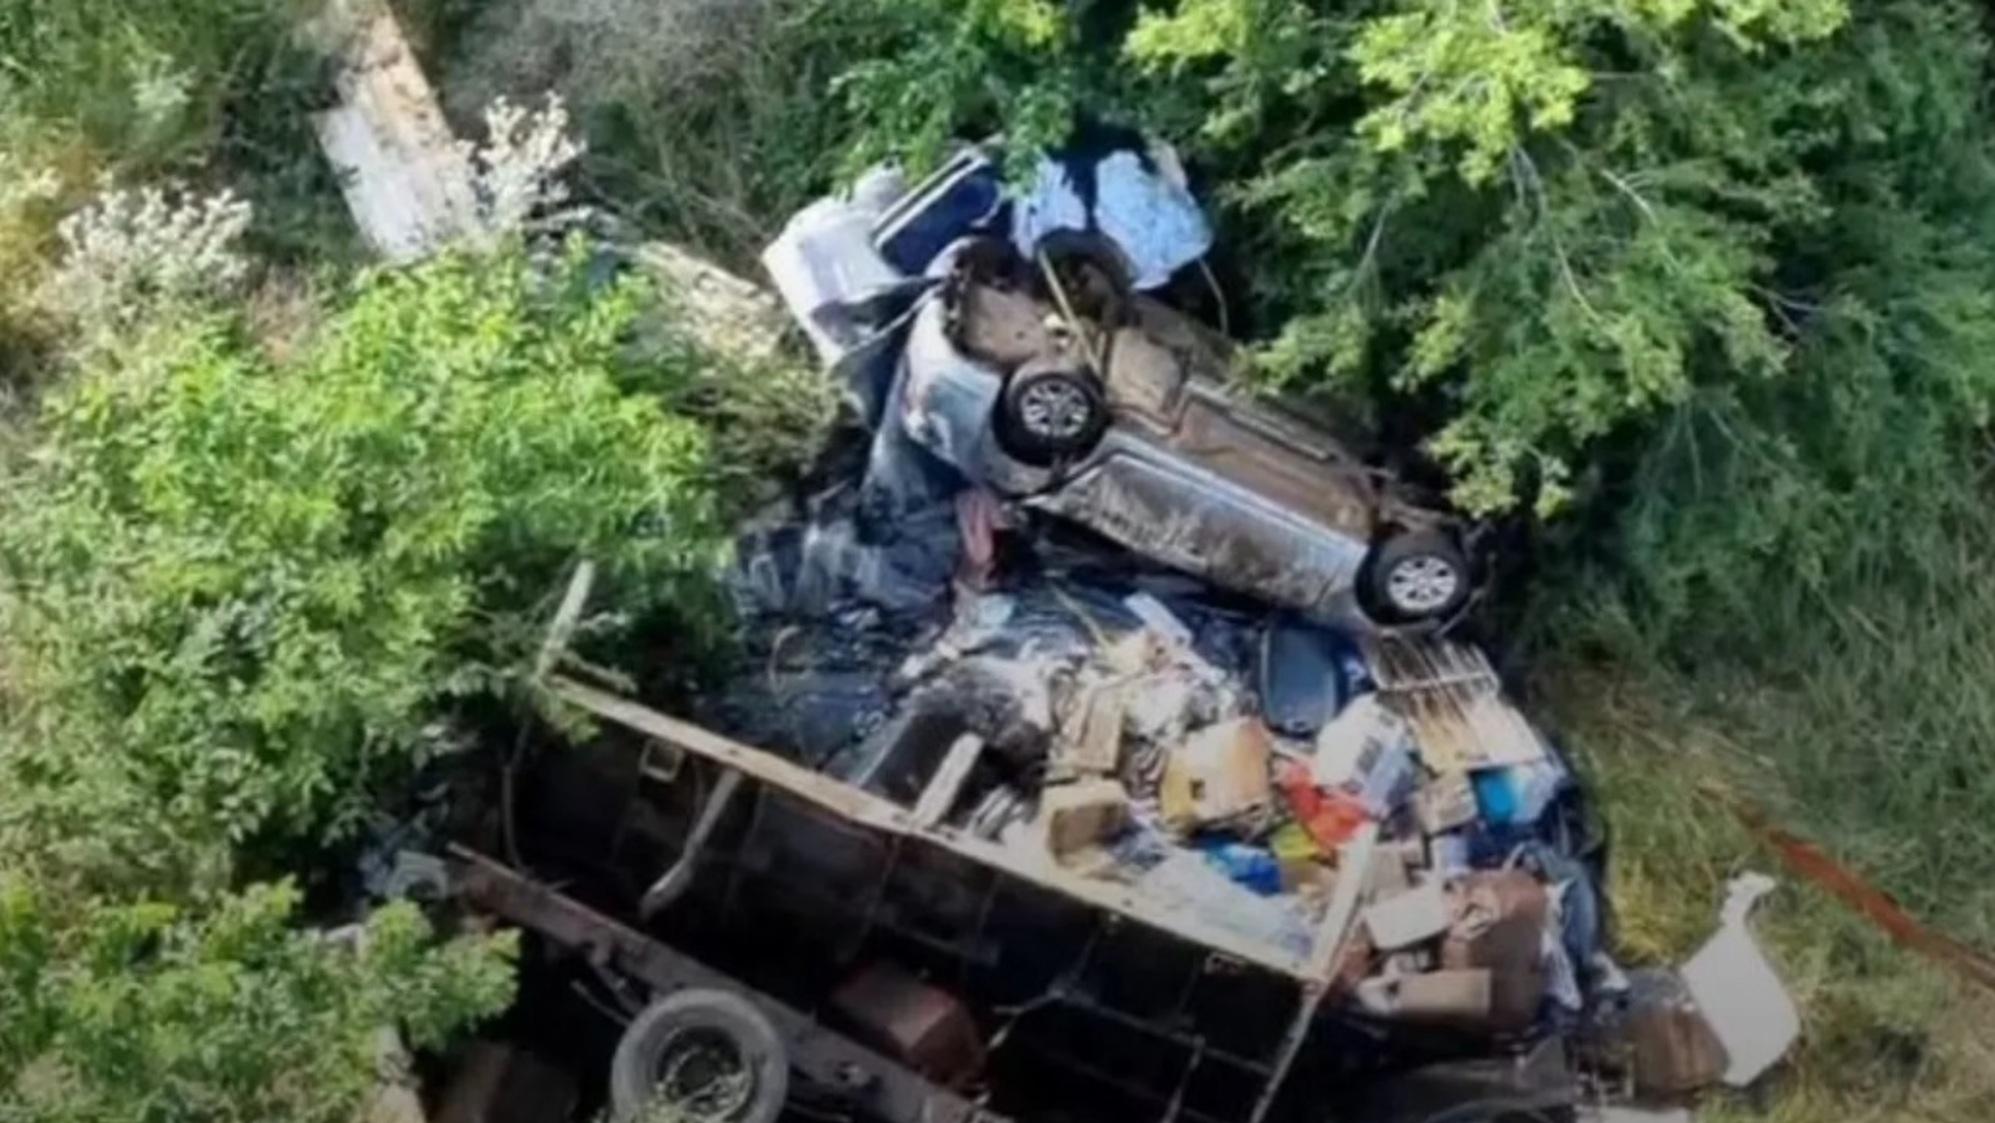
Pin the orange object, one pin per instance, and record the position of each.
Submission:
(1330, 818)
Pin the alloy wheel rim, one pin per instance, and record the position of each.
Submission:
(1422, 583)
(1055, 409)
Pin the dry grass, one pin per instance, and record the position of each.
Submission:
(1887, 1037)
(282, 311)
(596, 51)
(708, 121)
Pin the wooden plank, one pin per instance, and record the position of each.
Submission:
(676, 880)
(1353, 859)
(555, 643)
(1453, 699)
(863, 807)
(838, 798)
(406, 179)
(1124, 900)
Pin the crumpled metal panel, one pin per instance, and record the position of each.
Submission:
(1206, 526)
(822, 263)
(1139, 201)
(949, 397)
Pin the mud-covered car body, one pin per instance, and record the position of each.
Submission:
(1187, 469)
(1172, 459)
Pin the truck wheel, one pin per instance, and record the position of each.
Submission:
(699, 1056)
(1420, 575)
(1049, 414)
(1089, 261)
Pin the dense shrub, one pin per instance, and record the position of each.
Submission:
(239, 592)
(244, 581)
(707, 121)
(1453, 204)
(147, 82)
(148, 1013)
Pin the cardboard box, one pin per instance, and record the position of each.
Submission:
(1499, 924)
(1367, 754)
(1445, 802)
(1091, 741)
(1219, 775)
(1420, 913)
(1080, 815)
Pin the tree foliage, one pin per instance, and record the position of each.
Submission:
(240, 591)
(144, 1012)
(145, 81)
(1530, 208)
(988, 61)
(1552, 239)
(247, 582)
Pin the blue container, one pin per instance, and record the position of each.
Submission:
(1246, 865)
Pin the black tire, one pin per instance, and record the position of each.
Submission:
(1048, 414)
(717, 1023)
(1418, 575)
(1093, 265)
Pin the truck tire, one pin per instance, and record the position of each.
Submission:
(702, 1056)
(1419, 575)
(1048, 414)
(1072, 250)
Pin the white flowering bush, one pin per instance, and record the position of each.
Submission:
(133, 253)
(519, 172)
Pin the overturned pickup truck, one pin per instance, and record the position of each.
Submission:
(1039, 371)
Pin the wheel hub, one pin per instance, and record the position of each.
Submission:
(1422, 584)
(703, 1078)
(1055, 410)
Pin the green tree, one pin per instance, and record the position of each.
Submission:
(1014, 65)
(240, 590)
(144, 1012)
(246, 582)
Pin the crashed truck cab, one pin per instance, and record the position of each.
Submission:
(1029, 358)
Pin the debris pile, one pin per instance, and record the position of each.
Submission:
(1224, 764)
(1233, 762)
(1236, 763)
(1047, 377)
